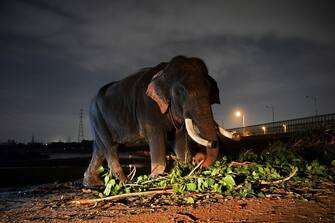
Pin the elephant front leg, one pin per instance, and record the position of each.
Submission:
(181, 146)
(157, 145)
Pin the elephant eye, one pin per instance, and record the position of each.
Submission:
(180, 91)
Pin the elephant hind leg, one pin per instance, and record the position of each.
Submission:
(91, 176)
(104, 140)
(114, 165)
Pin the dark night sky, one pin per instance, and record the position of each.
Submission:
(54, 56)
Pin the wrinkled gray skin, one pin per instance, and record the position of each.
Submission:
(144, 107)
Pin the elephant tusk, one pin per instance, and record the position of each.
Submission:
(230, 135)
(225, 133)
(192, 133)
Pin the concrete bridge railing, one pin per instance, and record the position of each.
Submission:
(289, 126)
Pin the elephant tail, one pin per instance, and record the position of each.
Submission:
(101, 133)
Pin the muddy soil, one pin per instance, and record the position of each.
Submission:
(51, 203)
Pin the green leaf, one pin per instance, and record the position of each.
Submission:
(106, 179)
(210, 181)
(162, 183)
(217, 188)
(229, 181)
(333, 163)
(101, 169)
(229, 170)
(117, 188)
(191, 187)
(200, 184)
(260, 169)
(112, 182)
(206, 172)
(175, 188)
(139, 179)
(145, 177)
(107, 190)
(181, 189)
(215, 172)
(189, 200)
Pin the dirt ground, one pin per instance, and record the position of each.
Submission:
(51, 203)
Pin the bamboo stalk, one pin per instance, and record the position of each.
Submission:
(238, 164)
(155, 179)
(282, 180)
(195, 168)
(121, 196)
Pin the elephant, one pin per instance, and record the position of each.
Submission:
(154, 105)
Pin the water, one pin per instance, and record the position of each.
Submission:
(61, 167)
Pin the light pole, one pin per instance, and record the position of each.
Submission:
(273, 111)
(315, 103)
(239, 114)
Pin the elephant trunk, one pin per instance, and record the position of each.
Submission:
(202, 130)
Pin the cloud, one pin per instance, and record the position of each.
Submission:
(55, 55)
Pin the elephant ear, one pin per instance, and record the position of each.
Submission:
(214, 94)
(157, 91)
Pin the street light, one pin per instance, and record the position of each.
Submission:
(285, 128)
(315, 104)
(264, 129)
(239, 114)
(273, 111)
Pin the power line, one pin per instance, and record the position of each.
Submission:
(314, 98)
(81, 126)
(272, 110)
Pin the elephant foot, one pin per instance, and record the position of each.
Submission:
(157, 169)
(92, 180)
(159, 176)
(121, 176)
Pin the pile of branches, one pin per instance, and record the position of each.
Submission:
(254, 175)
(314, 138)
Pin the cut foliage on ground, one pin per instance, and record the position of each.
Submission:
(276, 170)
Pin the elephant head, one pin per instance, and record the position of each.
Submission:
(184, 89)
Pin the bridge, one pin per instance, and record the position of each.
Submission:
(289, 126)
